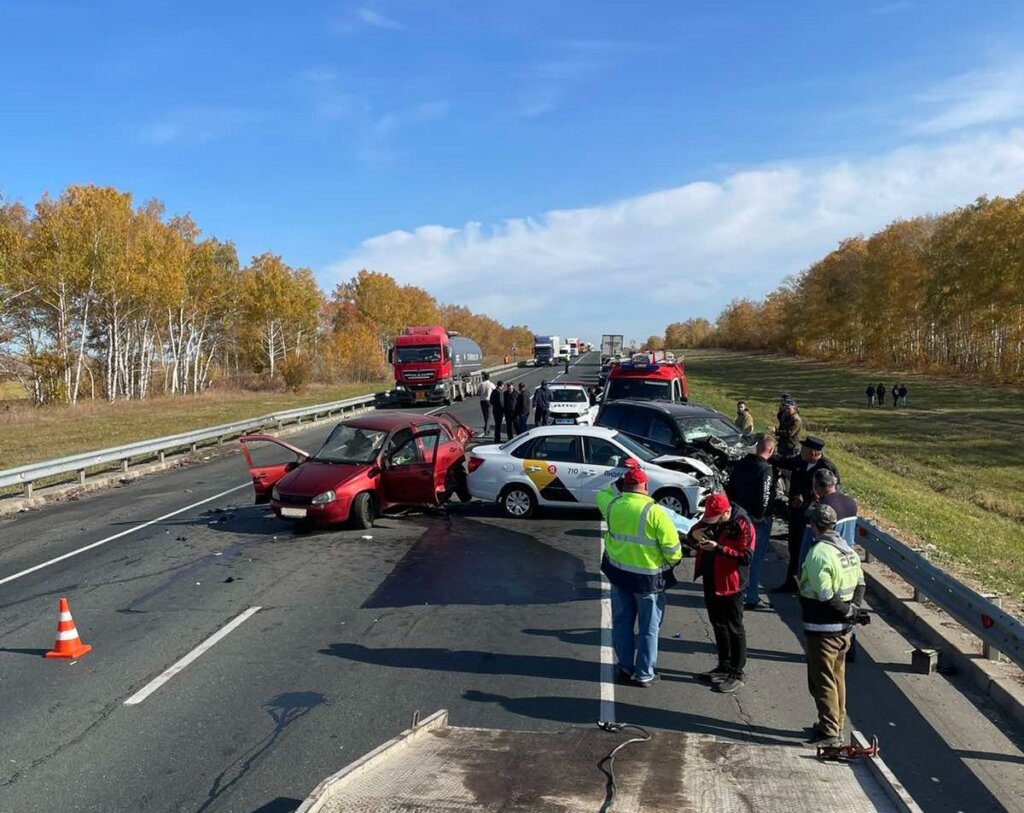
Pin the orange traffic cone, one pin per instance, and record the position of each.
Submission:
(68, 645)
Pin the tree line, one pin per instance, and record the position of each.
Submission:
(102, 299)
(942, 293)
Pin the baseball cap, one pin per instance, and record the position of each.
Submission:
(822, 515)
(716, 505)
(634, 477)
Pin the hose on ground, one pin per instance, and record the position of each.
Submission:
(607, 763)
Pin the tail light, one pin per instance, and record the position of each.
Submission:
(475, 463)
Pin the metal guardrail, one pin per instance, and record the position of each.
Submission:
(158, 448)
(998, 630)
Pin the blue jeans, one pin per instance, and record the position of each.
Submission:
(761, 542)
(636, 652)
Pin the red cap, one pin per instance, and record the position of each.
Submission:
(716, 506)
(634, 477)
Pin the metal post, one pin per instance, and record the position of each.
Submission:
(989, 652)
(194, 447)
(81, 477)
(917, 592)
(28, 488)
(161, 455)
(124, 465)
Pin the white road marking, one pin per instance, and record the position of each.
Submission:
(173, 669)
(119, 535)
(607, 711)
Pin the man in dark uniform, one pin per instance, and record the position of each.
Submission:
(498, 408)
(880, 394)
(509, 405)
(802, 467)
(790, 426)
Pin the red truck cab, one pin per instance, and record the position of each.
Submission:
(433, 366)
(650, 376)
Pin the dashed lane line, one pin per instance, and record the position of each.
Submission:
(607, 658)
(174, 668)
(119, 535)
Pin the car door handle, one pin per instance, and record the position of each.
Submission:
(533, 468)
(589, 473)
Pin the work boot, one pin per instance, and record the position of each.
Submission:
(623, 677)
(646, 684)
(733, 683)
(820, 736)
(716, 675)
(760, 604)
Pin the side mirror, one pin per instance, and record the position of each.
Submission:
(390, 354)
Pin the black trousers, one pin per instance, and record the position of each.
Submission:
(485, 407)
(726, 616)
(510, 424)
(794, 540)
(499, 419)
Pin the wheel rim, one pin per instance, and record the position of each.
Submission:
(517, 503)
(672, 502)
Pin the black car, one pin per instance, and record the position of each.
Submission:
(684, 430)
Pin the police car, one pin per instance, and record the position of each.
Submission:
(566, 466)
(570, 405)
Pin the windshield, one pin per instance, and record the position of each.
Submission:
(639, 388)
(405, 355)
(701, 428)
(351, 444)
(573, 396)
(634, 448)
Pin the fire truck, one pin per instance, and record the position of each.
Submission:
(648, 376)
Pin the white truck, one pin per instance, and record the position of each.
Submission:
(611, 346)
(574, 346)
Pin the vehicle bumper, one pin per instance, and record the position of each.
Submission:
(409, 398)
(326, 514)
(570, 420)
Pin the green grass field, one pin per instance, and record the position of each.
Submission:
(32, 433)
(948, 470)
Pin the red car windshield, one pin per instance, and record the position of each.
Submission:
(351, 444)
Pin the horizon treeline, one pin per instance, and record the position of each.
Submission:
(942, 293)
(100, 299)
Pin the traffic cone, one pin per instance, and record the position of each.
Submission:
(68, 645)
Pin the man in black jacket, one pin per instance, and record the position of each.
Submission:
(509, 405)
(522, 408)
(802, 467)
(750, 487)
(498, 408)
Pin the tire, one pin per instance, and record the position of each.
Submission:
(363, 511)
(517, 502)
(673, 499)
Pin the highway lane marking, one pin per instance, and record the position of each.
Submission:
(174, 668)
(119, 535)
(607, 656)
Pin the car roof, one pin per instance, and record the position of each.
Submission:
(592, 431)
(675, 409)
(386, 420)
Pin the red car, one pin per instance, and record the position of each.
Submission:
(366, 467)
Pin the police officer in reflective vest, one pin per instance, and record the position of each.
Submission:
(641, 546)
(831, 592)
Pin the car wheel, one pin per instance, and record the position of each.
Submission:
(363, 512)
(517, 502)
(673, 500)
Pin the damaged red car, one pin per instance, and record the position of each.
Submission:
(367, 467)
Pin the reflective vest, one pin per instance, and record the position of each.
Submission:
(831, 574)
(641, 545)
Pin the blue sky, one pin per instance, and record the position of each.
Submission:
(688, 153)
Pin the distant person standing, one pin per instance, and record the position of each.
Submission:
(870, 393)
(509, 405)
(782, 407)
(542, 405)
(789, 428)
(522, 408)
(895, 395)
(567, 365)
(485, 399)
(498, 409)
(880, 394)
(744, 420)
(903, 395)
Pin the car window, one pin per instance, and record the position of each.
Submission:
(430, 441)
(661, 430)
(351, 444)
(701, 427)
(523, 451)
(568, 395)
(600, 452)
(610, 416)
(650, 389)
(636, 422)
(557, 448)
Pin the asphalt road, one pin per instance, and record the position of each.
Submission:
(496, 620)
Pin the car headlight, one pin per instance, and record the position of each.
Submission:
(323, 499)
(275, 494)
(439, 385)
(399, 386)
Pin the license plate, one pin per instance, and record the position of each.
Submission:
(564, 420)
(297, 513)
(420, 396)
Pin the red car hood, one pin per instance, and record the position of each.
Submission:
(314, 478)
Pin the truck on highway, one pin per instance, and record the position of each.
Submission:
(432, 366)
(434, 766)
(546, 350)
(611, 346)
(574, 346)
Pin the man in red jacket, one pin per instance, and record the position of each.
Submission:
(724, 539)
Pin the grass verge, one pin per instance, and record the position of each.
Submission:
(948, 471)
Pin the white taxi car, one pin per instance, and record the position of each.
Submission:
(566, 466)
(570, 405)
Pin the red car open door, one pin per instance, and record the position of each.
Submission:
(460, 431)
(409, 472)
(266, 474)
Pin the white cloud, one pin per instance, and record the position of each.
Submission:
(977, 98)
(427, 111)
(360, 18)
(195, 125)
(378, 20)
(639, 263)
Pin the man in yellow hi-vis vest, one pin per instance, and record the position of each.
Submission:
(641, 546)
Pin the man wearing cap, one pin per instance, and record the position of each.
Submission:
(802, 468)
(831, 591)
(790, 425)
(641, 546)
(725, 539)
